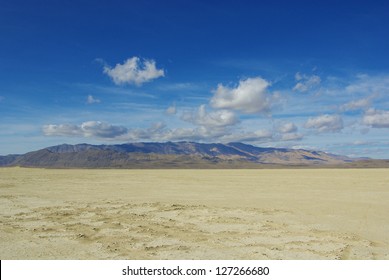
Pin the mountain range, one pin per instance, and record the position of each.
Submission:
(178, 155)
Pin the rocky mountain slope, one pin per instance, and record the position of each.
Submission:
(170, 155)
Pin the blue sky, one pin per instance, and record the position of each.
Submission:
(296, 74)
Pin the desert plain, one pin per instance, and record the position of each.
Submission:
(194, 214)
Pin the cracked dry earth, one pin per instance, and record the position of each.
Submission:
(194, 214)
(120, 230)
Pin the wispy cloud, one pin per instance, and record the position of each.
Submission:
(249, 96)
(193, 134)
(113, 90)
(356, 104)
(366, 84)
(91, 100)
(306, 82)
(262, 135)
(171, 110)
(134, 71)
(180, 87)
(291, 137)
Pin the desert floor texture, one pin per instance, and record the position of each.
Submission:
(194, 214)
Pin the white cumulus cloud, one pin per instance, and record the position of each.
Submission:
(376, 118)
(62, 130)
(86, 129)
(156, 132)
(288, 132)
(134, 71)
(287, 127)
(325, 123)
(250, 96)
(218, 118)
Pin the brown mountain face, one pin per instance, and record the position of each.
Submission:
(174, 155)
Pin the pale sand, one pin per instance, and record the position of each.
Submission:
(194, 214)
